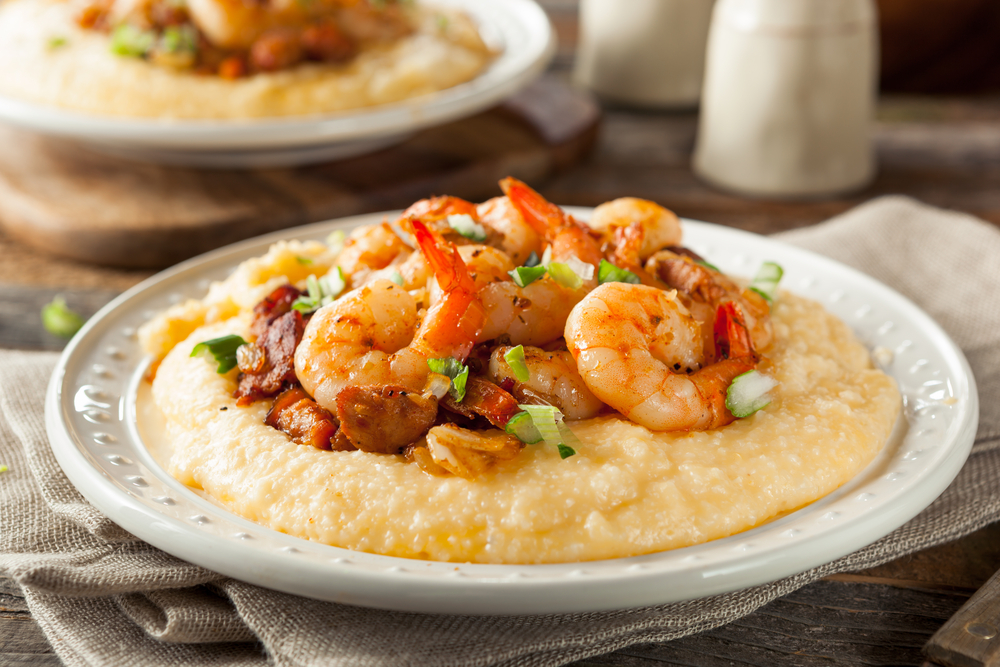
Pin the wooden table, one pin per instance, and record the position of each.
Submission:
(945, 151)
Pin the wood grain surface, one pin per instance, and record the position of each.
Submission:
(69, 200)
(945, 151)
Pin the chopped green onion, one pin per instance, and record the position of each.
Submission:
(467, 227)
(223, 349)
(518, 365)
(609, 273)
(397, 278)
(581, 268)
(3, 467)
(525, 275)
(566, 451)
(178, 39)
(57, 42)
(335, 240)
(533, 259)
(748, 393)
(442, 22)
(304, 261)
(455, 370)
(127, 40)
(766, 281)
(564, 275)
(521, 427)
(320, 292)
(548, 420)
(59, 320)
(708, 265)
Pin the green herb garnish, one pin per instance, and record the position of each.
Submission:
(518, 365)
(335, 240)
(320, 292)
(127, 40)
(525, 275)
(748, 393)
(609, 273)
(766, 281)
(59, 320)
(548, 422)
(565, 451)
(521, 427)
(467, 227)
(708, 265)
(304, 261)
(179, 39)
(456, 371)
(57, 42)
(3, 467)
(564, 275)
(223, 349)
(397, 278)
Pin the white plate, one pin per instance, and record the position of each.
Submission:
(519, 29)
(91, 421)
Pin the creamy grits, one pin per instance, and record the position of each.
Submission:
(628, 491)
(49, 59)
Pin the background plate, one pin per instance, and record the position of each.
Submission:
(91, 420)
(519, 29)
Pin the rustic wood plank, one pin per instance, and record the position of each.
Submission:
(971, 638)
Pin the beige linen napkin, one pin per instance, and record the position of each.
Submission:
(105, 598)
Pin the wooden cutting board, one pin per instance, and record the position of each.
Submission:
(67, 200)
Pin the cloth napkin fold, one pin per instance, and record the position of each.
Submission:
(103, 597)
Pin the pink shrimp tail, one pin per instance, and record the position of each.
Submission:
(732, 337)
(541, 214)
(454, 323)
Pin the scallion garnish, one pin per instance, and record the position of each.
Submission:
(179, 39)
(708, 265)
(320, 292)
(335, 240)
(518, 365)
(564, 275)
(59, 320)
(609, 273)
(304, 261)
(766, 281)
(467, 227)
(223, 349)
(747, 393)
(548, 421)
(521, 427)
(454, 370)
(127, 40)
(57, 42)
(397, 278)
(525, 275)
(3, 467)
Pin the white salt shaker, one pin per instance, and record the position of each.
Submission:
(789, 97)
(643, 52)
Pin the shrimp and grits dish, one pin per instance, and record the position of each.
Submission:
(504, 383)
(230, 59)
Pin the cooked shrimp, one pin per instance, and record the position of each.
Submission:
(655, 227)
(567, 237)
(532, 315)
(639, 350)
(517, 238)
(368, 249)
(704, 289)
(553, 380)
(369, 337)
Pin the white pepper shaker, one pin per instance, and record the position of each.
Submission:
(643, 52)
(789, 97)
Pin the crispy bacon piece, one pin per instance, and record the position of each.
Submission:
(324, 41)
(278, 343)
(274, 305)
(303, 419)
(485, 399)
(383, 420)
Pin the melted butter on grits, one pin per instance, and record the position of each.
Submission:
(629, 491)
(83, 74)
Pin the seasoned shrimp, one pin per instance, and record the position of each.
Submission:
(567, 237)
(654, 226)
(532, 315)
(369, 337)
(368, 249)
(704, 289)
(553, 380)
(639, 350)
(517, 238)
